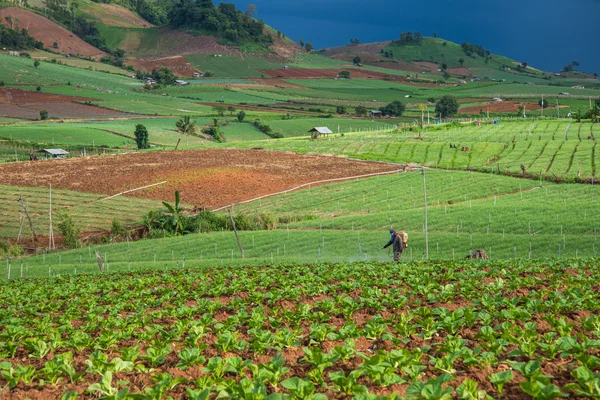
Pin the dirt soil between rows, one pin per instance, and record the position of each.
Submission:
(48, 32)
(205, 178)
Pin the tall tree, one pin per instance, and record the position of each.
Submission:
(394, 109)
(186, 126)
(447, 106)
(141, 136)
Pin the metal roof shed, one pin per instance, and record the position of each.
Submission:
(55, 153)
(319, 130)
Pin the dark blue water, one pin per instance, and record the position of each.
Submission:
(547, 34)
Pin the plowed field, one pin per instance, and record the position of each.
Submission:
(206, 178)
(49, 32)
(17, 103)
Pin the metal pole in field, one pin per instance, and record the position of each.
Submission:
(236, 233)
(425, 214)
(543, 104)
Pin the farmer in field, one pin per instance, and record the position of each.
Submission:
(398, 240)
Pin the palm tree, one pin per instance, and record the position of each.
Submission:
(186, 126)
(174, 215)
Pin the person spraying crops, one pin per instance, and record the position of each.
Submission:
(399, 241)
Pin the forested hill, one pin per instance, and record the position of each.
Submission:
(225, 21)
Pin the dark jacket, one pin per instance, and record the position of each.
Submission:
(394, 234)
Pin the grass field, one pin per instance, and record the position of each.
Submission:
(226, 66)
(78, 63)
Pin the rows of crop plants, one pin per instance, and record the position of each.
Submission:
(363, 330)
(508, 217)
(229, 66)
(20, 70)
(87, 211)
(552, 148)
(78, 62)
(64, 134)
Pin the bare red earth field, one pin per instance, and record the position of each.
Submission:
(206, 178)
(49, 32)
(17, 103)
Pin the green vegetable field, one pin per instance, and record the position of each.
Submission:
(362, 330)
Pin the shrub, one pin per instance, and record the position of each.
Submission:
(268, 221)
(117, 229)
(43, 115)
(68, 230)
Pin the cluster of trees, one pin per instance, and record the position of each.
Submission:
(173, 221)
(409, 38)
(306, 45)
(571, 67)
(354, 42)
(266, 129)
(163, 77)
(394, 109)
(446, 106)
(387, 53)
(214, 131)
(224, 21)
(471, 49)
(18, 40)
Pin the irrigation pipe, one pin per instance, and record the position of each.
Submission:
(310, 184)
(132, 190)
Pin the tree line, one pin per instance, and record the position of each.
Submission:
(224, 21)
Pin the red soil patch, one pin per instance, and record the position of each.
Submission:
(205, 177)
(281, 47)
(427, 64)
(460, 71)
(179, 65)
(367, 48)
(122, 17)
(17, 103)
(305, 73)
(18, 96)
(49, 32)
(499, 107)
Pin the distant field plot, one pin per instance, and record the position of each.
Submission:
(538, 146)
(238, 132)
(20, 70)
(300, 127)
(214, 94)
(87, 212)
(78, 62)
(54, 134)
(229, 66)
